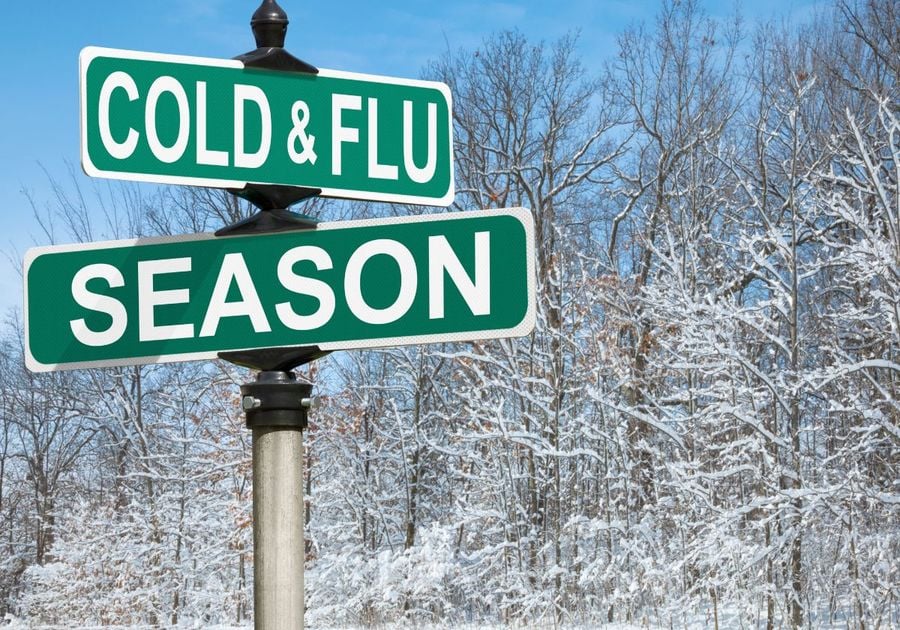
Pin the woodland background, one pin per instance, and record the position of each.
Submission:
(703, 427)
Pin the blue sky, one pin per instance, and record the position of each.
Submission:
(41, 41)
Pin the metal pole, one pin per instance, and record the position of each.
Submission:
(276, 406)
(278, 548)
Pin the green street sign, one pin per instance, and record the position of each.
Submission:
(355, 284)
(212, 122)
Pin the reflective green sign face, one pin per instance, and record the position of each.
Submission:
(384, 282)
(211, 122)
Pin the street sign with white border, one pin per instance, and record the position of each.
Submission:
(450, 277)
(174, 119)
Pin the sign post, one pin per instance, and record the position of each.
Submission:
(275, 404)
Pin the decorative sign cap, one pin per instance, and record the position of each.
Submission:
(269, 24)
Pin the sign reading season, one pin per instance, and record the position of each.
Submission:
(352, 284)
(213, 122)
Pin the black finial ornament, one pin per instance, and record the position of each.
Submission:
(269, 24)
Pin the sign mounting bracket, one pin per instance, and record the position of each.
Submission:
(274, 359)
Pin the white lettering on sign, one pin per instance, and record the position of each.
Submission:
(443, 262)
(204, 154)
(376, 170)
(169, 154)
(100, 303)
(234, 269)
(441, 258)
(305, 286)
(123, 81)
(408, 281)
(419, 175)
(149, 298)
(339, 133)
(299, 136)
(159, 87)
(250, 104)
(242, 94)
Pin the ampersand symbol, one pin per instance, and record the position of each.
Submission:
(298, 134)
